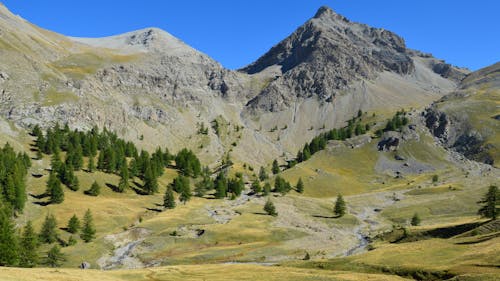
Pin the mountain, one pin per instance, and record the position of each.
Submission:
(153, 89)
(468, 119)
(408, 163)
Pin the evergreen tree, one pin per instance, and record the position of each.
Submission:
(236, 185)
(276, 167)
(48, 232)
(263, 174)
(54, 256)
(91, 165)
(88, 230)
(340, 206)
(300, 186)
(185, 192)
(256, 188)
(169, 199)
(9, 255)
(94, 190)
(28, 247)
(205, 184)
(150, 181)
(415, 220)
(54, 189)
(270, 209)
(267, 189)
(490, 202)
(123, 184)
(73, 224)
(220, 186)
(101, 163)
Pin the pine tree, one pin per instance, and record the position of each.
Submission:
(276, 167)
(490, 202)
(340, 207)
(48, 232)
(256, 188)
(94, 190)
(220, 186)
(91, 165)
(73, 224)
(415, 220)
(270, 209)
(263, 174)
(266, 189)
(54, 256)
(169, 199)
(300, 186)
(186, 191)
(88, 229)
(123, 184)
(28, 247)
(150, 181)
(101, 162)
(9, 255)
(54, 189)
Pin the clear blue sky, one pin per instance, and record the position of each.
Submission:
(235, 33)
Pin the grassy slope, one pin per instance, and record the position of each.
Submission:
(186, 272)
(479, 108)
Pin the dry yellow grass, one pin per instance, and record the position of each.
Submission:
(222, 272)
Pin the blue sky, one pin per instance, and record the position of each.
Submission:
(235, 33)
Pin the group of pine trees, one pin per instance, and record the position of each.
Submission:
(21, 248)
(354, 128)
(113, 154)
(13, 169)
(398, 121)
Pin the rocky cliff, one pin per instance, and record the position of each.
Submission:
(152, 88)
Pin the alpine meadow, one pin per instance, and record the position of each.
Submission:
(339, 154)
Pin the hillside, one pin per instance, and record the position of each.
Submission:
(409, 141)
(149, 83)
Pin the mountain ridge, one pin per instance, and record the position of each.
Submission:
(147, 82)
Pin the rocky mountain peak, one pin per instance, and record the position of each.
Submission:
(327, 12)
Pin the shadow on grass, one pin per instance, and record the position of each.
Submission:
(326, 217)
(154, 210)
(112, 187)
(42, 203)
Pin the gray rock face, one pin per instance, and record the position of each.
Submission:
(149, 83)
(324, 56)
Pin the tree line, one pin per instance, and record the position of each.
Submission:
(13, 169)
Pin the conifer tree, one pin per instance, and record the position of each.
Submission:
(28, 254)
(54, 189)
(94, 190)
(263, 174)
(169, 199)
(54, 256)
(276, 167)
(48, 232)
(267, 189)
(270, 209)
(340, 207)
(150, 181)
(185, 192)
(256, 188)
(123, 184)
(101, 164)
(490, 202)
(73, 224)
(415, 220)
(91, 165)
(300, 186)
(88, 230)
(220, 186)
(9, 255)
